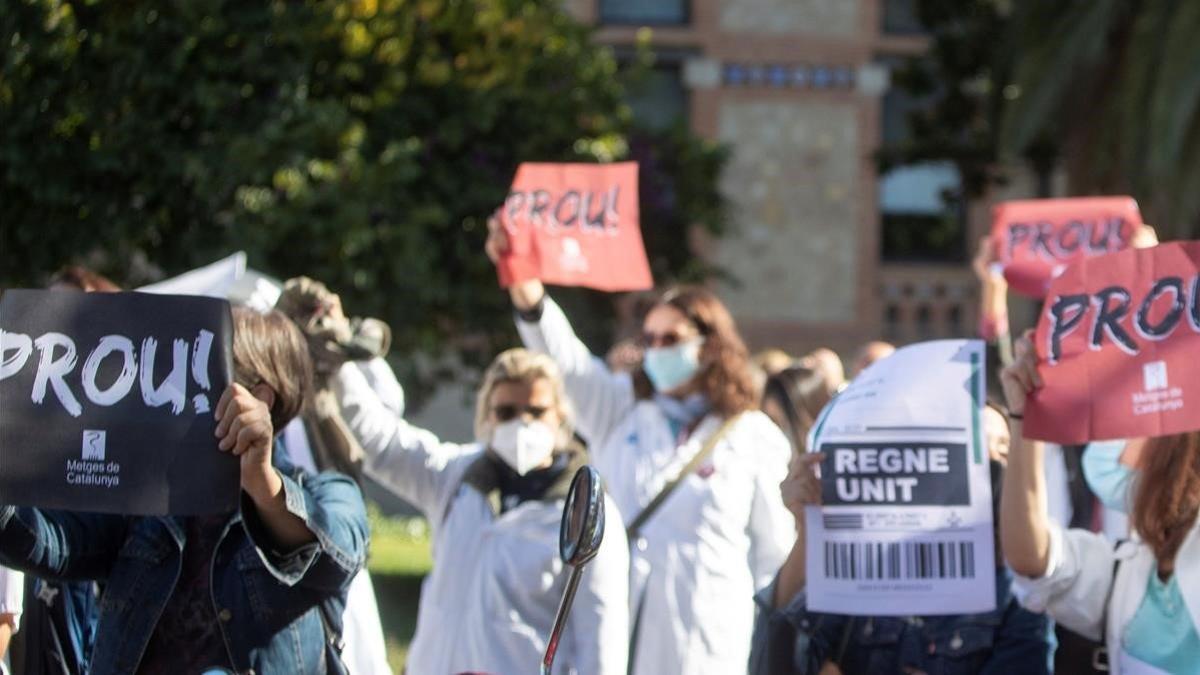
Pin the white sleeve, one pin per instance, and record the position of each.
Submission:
(772, 527)
(598, 628)
(381, 378)
(12, 594)
(1075, 589)
(410, 461)
(601, 398)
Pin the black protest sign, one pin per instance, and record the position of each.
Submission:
(107, 402)
(899, 474)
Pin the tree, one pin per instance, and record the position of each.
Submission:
(362, 143)
(1109, 88)
(1119, 82)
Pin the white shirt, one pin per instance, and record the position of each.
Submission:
(12, 601)
(1079, 577)
(489, 603)
(721, 536)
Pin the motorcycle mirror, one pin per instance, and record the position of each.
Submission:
(579, 538)
(582, 527)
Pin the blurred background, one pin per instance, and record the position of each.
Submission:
(828, 164)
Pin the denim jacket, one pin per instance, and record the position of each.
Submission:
(1009, 639)
(268, 602)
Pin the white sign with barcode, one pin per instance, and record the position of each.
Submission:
(905, 527)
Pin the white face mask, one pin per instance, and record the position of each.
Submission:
(523, 445)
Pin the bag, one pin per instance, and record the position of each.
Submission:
(633, 531)
(331, 620)
(1078, 655)
(710, 444)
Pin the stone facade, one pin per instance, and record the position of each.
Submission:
(792, 182)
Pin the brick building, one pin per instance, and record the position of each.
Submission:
(827, 251)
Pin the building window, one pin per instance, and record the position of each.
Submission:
(658, 97)
(900, 18)
(922, 211)
(644, 12)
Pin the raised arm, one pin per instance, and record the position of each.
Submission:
(410, 461)
(1024, 520)
(601, 398)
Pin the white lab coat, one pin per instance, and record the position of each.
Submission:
(719, 538)
(489, 603)
(12, 601)
(1080, 574)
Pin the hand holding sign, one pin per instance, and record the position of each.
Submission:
(572, 225)
(107, 402)
(1037, 238)
(1117, 346)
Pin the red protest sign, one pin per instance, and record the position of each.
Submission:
(1117, 346)
(575, 225)
(1037, 238)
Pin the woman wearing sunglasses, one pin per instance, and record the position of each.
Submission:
(495, 507)
(695, 471)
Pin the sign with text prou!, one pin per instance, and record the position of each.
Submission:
(1117, 346)
(575, 225)
(905, 522)
(107, 401)
(1037, 238)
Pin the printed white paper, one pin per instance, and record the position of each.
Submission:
(905, 526)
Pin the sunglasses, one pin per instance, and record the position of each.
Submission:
(505, 412)
(651, 340)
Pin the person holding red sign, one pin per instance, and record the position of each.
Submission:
(1142, 597)
(695, 470)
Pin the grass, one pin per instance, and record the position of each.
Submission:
(398, 562)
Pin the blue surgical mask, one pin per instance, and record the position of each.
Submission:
(670, 367)
(1108, 478)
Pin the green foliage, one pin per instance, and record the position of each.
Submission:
(1109, 88)
(362, 143)
(1118, 81)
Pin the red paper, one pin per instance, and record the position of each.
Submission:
(1038, 238)
(575, 225)
(1118, 345)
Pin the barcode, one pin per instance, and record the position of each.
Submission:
(900, 560)
(843, 521)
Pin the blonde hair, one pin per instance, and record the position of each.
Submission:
(525, 367)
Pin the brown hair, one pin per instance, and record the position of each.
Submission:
(269, 349)
(801, 394)
(1167, 493)
(725, 377)
(84, 279)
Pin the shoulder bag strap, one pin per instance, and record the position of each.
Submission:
(706, 451)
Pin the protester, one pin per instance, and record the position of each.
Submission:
(772, 361)
(793, 398)
(259, 589)
(791, 639)
(495, 507)
(696, 560)
(12, 599)
(829, 364)
(79, 278)
(1141, 597)
(319, 439)
(869, 353)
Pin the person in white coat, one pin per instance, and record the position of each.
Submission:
(495, 507)
(1140, 597)
(12, 602)
(724, 531)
